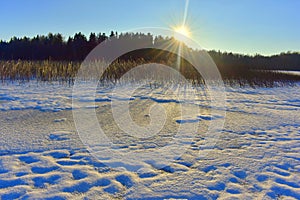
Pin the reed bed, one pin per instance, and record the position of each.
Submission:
(66, 71)
(38, 70)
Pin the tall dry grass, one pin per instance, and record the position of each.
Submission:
(66, 71)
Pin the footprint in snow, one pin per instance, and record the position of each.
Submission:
(59, 135)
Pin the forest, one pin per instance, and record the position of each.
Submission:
(76, 48)
(55, 50)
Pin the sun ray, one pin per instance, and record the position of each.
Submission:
(182, 34)
(186, 6)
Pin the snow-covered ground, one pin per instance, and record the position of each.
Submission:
(255, 154)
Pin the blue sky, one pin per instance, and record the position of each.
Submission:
(248, 26)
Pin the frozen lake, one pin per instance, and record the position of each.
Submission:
(255, 154)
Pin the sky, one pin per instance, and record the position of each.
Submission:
(249, 26)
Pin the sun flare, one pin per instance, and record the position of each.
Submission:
(181, 33)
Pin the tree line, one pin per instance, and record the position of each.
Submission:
(76, 48)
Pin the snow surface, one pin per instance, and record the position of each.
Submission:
(256, 154)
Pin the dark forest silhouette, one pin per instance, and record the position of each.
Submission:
(51, 58)
(76, 48)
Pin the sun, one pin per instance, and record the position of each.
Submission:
(181, 33)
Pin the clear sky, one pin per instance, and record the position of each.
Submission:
(242, 26)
